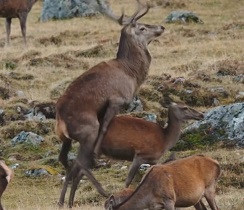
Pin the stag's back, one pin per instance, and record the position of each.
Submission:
(93, 88)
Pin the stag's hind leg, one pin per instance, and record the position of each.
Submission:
(76, 181)
(86, 136)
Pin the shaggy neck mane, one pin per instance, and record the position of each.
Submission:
(134, 57)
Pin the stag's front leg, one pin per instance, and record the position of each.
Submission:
(113, 108)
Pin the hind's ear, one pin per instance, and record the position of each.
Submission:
(110, 203)
(166, 101)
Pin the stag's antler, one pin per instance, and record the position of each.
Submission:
(124, 20)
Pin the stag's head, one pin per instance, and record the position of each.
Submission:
(141, 33)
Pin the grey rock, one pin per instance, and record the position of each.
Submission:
(36, 172)
(41, 112)
(239, 78)
(135, 106)
(150, 117)
(27, 137)
(14, 166)
(182, 17)
(63, 9)
(144, 167)
(228, 119)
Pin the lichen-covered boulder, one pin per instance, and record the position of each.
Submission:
(63, 9)
(27, 137)
(182, 17)
(222, 123)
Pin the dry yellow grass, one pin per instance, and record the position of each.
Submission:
(192, 46)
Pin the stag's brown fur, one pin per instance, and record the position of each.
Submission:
(85, 110)
(141, 141)
(180, 183)
(16, 9)
(6, 175)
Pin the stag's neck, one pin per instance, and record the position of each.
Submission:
(134, 57)
(172, 132)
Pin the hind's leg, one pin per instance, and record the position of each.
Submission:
(210, 197)
(200, 206)
(133, 169)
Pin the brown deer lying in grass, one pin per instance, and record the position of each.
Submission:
(6, 175)
(85, 110)
(142, 141)
(180, 183)
(16, 9)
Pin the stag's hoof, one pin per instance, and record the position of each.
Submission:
(60, 204)
(96, 154)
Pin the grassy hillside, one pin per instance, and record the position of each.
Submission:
(208, 56)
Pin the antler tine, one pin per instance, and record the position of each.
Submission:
(133, 17)
(122, 20)
(146, 11)
(106, 11)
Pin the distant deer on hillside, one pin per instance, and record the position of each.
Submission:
(180, 183)
(15, 9)
(86, 108)
(6, 175)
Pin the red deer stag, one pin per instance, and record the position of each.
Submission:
(16, 9)
(141, 141)
(86, 108)
(180, 183)
(6, 175)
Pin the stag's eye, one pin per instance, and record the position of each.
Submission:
(142, 29)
